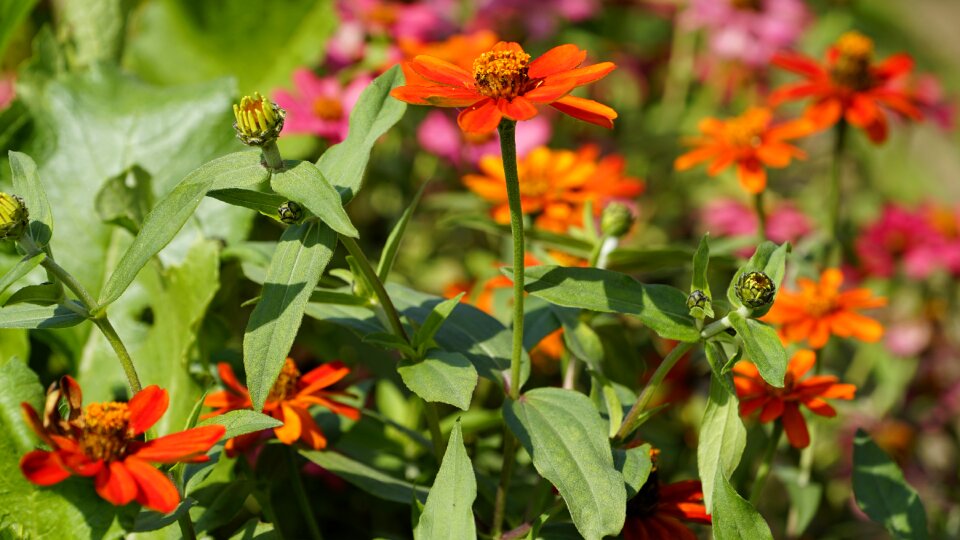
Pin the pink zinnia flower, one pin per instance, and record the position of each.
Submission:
(750, 31)
(321, 105)
(539, 17)
(440, 135)
(900, 238)
(729, 217)
(7, 92)
(928, 95)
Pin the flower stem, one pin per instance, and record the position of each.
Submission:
(597, 250)
(378, 289)
(301, 495)
(433, 424)
(627, 427)
(186, 526)
(763, 471)
(832, 251)
(103, 323)
(271, 156)
(761, 216)
(508, 151)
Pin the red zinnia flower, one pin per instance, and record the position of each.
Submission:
(850, 86)
(755, 394)
(104, 441)
(289, 401)
(506, 83)
(657, 512)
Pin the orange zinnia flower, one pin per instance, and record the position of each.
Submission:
(657, 512)
(751, 141)
(104, 440)
(849, 86)
(460, 50)
(504, 82)
(820, 310)
(289, 401)
(555, 185)
(755, 394)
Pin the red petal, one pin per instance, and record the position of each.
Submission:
(895, 65)
(798, 63)
(582, 76)
(339, 408)
(36, 424)
(801, 362)
(115, 484)
(772, 410)
(517, 109)
(556, 60)
(864, 113)
(438, 96)
(821, 407)
(586, 110)
(182, 446)
(441, 72)
(229, 378)
(154, 489)
(43, 468)
(146, 407)
(482, 117)
(795, 426)
(321, 377)
(548, 93)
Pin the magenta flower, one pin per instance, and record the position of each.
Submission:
(440, 135)
(750, 31)
(900, 239)
(729, 217)
(540, 18)
(320, 105)
(7, 92)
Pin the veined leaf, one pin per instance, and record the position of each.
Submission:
(442, 376)
(763, 348)
(26, 184)
(734, 518)
(265, 203)
(27, 316)
(448, 512)
(302, 182)
(722, 438)
(242, 421)
(883, 493)
(372, 481)
(635, 466)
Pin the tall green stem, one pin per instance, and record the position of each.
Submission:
(508, 151)
(833, 250)
(378, 289)
(627, 427)
(763, 471)
(761, 216)
(301, 495)
(103, 323)
(433, 424)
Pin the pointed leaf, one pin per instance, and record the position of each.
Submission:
(444, 377)
(635, 466)
(883, 493)
(302, 182)
(265, 203)
(734, 518)
(723, 438)
(26, 184)
(27, 316)
(762, 347)
(372, 481)
(242, 422)
(448, 512)
(434, 320)
(392, 246)
(21, 269)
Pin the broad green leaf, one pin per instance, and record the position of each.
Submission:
(366, 478)
(181, 41)
(18, 384)
(392, 246)
(539, 321)
(126, 199)
(302, 182)
(21, 269)
(434, 320)
(391, 342)
(882, 492)
(302, 254)
(700, 282)
(335, 297)
(635, 466)
(374, 114)
(734, 518)
(762, 347)
(442, 376)
(27, 316)
(241, 169)
(662, 308)
(45, 294)
(12, 13)
(723, 438)
(242, 422)
(567, 440)
(26, 184)
(265, 203)
(717, 358)
(448, 512)
(769, 259)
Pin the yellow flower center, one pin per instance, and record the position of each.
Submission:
(501, 74)
(747, 129)
(852, 68)
(258, 120)
(747, 5)
(286, 384)
(105, 430)
(328, 108)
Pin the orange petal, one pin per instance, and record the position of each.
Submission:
(772, 410)
(146, 407)
(43, 468)
(292, 427)
(798, 63)
(695, 157)
(548, 93)
(115, 484)
(441, 71)
(323, 376)
(229, 378)
(824, 113)
(864, 113)
(339, 408)
(154, 489)
(791, 92)
(586, 110)
(795, 426)
(801, 362)
(777, 154)
(752, 175)
(36, 424)
(840, 391)
(482, 117)
(518, 108)
(820, 407)
(582, 76)
(556, 60)
(310, 433)
(182, 446)
(438, 96)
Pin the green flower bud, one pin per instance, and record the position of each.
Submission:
(259, 120)
(698, 299)
(13, 216)
(616, 220)
(290, 212)
(755, 289)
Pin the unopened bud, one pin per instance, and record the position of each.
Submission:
(616, 220)
(259, 120)
(13, 216)
(290, 212)
(698, 299)
(755, 289)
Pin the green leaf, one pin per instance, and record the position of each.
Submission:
(12, 13)
(662, 308)
(180, 41)
(302, 255)
(769, 259)
(722, 438)
(762, 347)
(21, 269)
(390, 342)
(882, 492)
(567, 440)
(302, 182)
(539, 321)
(265, 203)
(804, 498)
(322, 296)
(717, 358)
(242, 421)
(256, 530)
(434, 320)
(240, 169)
(374, 114)
(19, 384)
(448, 512)
(27, 316)
(45, 294)
(126, 199)
(733, 517)
(367, 478)
(392, 246)
(26, 184)
(701, 260)
(635, 466)
(442, 376)
(605, 397)
(580, 339)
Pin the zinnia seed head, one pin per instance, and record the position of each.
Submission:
(104, 430)
(755, 289)
(852, 68)
(258, 120)
(13, 216)
(698, 299)
(286, 384)
(501, 74)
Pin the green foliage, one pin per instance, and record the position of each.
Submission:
(367, 478)
(734, 518)
(26, 184)
(722, 438)
(448, 512)
(442, 376)
(762, 347)
(28, 316)
(242, 421)
(567, 441)
(882, 492)
(302, 182)
(635, 466)
(701, 260)
(769, 259)
(12, 13)
(23, 267)
(392, 247)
